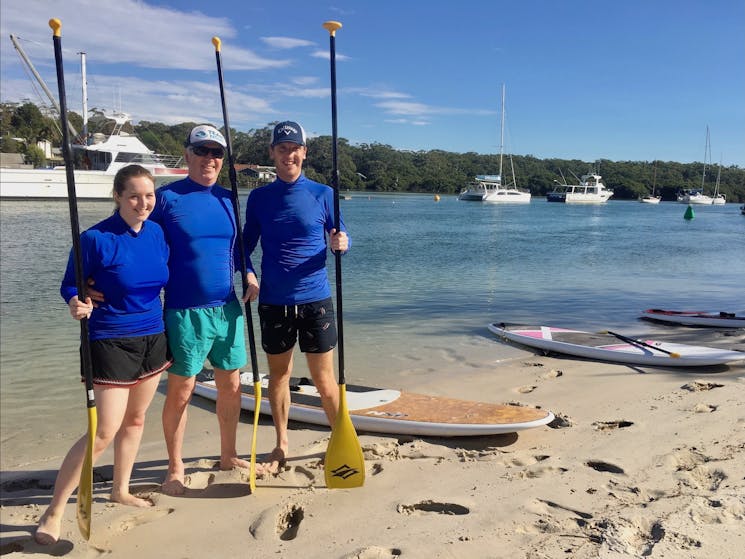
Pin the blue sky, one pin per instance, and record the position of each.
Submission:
(586, 79)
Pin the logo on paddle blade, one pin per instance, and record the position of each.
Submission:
(344, 471)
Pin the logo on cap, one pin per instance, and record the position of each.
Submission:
(288, 132)
(203, 133)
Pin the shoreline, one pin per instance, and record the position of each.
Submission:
(640, 461)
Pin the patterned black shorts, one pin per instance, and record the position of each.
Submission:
(313, 324)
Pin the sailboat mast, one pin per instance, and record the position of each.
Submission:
(501, 139)
(85, 97)
(39, 79)
(707, 153)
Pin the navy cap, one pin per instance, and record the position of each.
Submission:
(288, 131)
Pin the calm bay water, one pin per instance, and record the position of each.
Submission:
(421, 282)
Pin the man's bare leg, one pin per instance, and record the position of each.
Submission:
(228, 409)
(321, 366)
(280, 370)
(178, 394)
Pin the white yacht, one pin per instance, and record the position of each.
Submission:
(590, 190)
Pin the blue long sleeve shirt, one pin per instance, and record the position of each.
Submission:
(292, 220)
(130, 269)
(199, 226)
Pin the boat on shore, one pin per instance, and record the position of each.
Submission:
(590, 190)
(491, 188)
(95, 167)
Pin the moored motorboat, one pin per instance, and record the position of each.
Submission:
(590, 190)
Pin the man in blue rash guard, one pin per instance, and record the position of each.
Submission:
(203, 317)
(292, 217)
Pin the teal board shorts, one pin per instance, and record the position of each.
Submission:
(214, 333)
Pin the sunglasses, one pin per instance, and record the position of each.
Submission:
(201, 151)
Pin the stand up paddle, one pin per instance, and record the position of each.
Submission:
(641, 343)
(85, 488)
(344, 465)
(242, 260)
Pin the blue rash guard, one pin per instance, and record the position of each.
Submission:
(292, 220)
(131, 269)
(199, 226)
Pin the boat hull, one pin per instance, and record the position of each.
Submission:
(50, 184)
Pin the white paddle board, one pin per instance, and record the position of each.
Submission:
(606, 347)
(379, 410)
(698, 318)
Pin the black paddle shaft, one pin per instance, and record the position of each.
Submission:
(86, 367)
(337, 212)
(237, 213)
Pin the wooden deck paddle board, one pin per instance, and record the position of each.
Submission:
(698, 318)
(379, 410)
(606, 347)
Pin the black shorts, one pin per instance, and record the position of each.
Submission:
(127, 361)
(314, 324)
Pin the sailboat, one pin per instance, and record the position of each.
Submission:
(651, 198)
(718, 198)
(697, 196)
(490, 188)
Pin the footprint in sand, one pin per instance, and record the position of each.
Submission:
(608, 425)
(289, 521)
(601, 466)
(281, 522)
(700, 386)
(433, 506)
(143, 518)
(374, 552)
(561, 421)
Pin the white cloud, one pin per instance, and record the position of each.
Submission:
(129, 31)
(286, 42)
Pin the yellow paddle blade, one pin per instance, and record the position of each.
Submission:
(85, 488)
(344, 464)
(257, 407)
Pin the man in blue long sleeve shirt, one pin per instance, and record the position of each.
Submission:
(203, 317)
(292, 217)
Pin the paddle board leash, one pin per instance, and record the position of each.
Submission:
(344, 464)
(85, 488)
(242, 261)
(636, 342)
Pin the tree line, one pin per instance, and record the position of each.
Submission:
(377, 167)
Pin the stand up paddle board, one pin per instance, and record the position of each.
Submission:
(608, 347)
(698, 318)
(378, 410)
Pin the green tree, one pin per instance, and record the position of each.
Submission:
(35, 156)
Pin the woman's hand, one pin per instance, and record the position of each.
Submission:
(80, 310)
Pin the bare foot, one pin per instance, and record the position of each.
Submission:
(234, 462)
(273, 464)
(130, 500)
(49, 529)
(173, 485)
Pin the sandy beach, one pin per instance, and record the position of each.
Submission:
(639, 462)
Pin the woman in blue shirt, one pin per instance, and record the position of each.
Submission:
(127, 258)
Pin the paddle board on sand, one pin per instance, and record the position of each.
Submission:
(379, 410)
(606, 347)
(698, 318)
